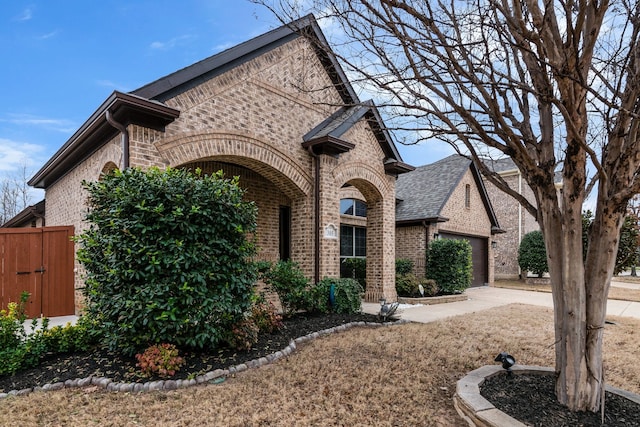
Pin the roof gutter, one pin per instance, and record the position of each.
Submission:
(125, 137)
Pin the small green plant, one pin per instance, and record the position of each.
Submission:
(408, 285)
(12, 319)
(404, 266)
(338, 295)
(355, 268)
(288, 281)
(532, 254)
(450, 264)
(161, 359)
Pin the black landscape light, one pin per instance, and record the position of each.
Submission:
(507, 361)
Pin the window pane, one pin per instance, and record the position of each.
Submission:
(360, 241)
(346, 240)
(346, 207)
(361, 208)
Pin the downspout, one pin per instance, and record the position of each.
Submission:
(316, 201)
(125, 138)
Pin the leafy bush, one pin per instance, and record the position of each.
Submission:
(12, 323)
(404, 266)
(288, 281)
(408, 285)
(160, 359)
(167, 257)
(532, 254)
(355, 268)
(32, 346)
(450, 265)
(346, 299)
(243, 335)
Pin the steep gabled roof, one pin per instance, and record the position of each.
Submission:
(144, 106)
(195, 74)
(424, 192)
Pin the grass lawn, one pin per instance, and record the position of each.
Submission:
(402, 375)
(615, 292)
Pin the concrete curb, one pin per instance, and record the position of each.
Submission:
(478, 411)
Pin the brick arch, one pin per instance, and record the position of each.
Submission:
(107, 168)
(254, 154)
(379, 195)
(369, 182)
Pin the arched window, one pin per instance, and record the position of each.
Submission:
(353, 207)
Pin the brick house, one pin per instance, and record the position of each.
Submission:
(278, 112)
(446, 199)
(515, 220)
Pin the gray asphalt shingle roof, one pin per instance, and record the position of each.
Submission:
(424, 191)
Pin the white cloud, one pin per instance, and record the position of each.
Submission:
(14, 155)
(48, 35)
(170, 44)
(58, 125)
(25, 15)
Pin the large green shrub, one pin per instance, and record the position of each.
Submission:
(532, 254)
(450, 265)
(167, 257)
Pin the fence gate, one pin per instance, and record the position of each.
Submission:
(39, 261)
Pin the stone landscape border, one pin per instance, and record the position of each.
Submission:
(478, 411)
(211, 377)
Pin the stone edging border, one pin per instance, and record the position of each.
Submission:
(209, 377)
(478, 411)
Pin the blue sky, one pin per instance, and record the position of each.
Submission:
(62, 59)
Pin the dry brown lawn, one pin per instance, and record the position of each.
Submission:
(623, 294)
(403, 375)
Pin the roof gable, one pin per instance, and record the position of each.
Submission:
(191, 76)
(424, 192)
(145, 106)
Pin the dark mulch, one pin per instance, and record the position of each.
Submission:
(531, 400)
(102, 363)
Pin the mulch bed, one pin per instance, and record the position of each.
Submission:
(119, 368)
(531, 400)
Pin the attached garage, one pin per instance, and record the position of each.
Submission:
(479, 257)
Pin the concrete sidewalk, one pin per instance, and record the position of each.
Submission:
(486, 297)
(481, 298)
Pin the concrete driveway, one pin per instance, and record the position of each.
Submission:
(486, 297)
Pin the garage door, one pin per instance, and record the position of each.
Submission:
(479, 257)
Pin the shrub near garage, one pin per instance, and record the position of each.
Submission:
(167, 257)
(450, 265)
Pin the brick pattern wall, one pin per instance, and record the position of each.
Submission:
(251, 120)
(411, 243)
(515, 220)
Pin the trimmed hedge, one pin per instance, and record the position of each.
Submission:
(167, 257)
(450, 265)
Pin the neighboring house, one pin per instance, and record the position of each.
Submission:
(31, 216)
(446, 199)
(514, 219)
(268, 111)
